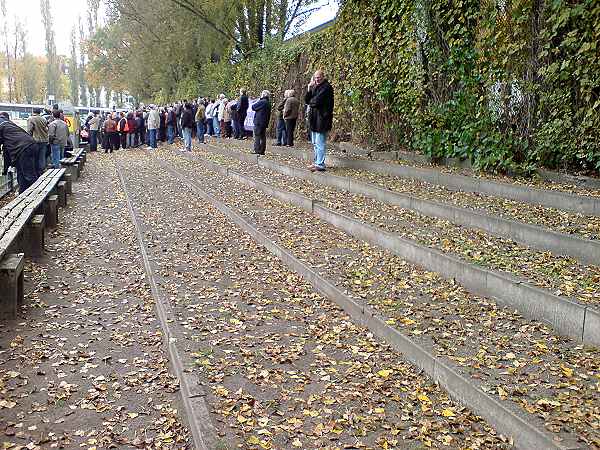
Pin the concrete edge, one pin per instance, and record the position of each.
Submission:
(553, 199)
(506, 419)
(584, 250)
(198, 416)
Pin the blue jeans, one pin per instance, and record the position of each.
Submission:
(216, 127)
(187, 138)
(209, 127)
(200, 131)
(58, 153)
(170, 134)
(152, 138)
(26, 166)
(318, 140)
(280, 135)
(130, 140)
(41, 158)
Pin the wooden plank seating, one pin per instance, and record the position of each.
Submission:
(74, 164)
(22, 232)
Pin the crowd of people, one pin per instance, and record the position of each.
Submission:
(31, 151)
(219, 117)
(43, 144)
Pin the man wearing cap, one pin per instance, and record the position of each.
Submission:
(37, 127)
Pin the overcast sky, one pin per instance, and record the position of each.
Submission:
(65, 13)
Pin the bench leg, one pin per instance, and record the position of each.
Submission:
(79, 166)
(74, 172)
(62, 193)
(34, 236)
(69, 183)
(11, 284)
(51, 211)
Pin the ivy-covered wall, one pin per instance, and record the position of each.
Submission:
(507, 84)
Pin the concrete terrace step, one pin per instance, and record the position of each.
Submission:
(580, 322)
(579, 225)
(259, 344)
(272, 224)
(550, 198)
(584, 250)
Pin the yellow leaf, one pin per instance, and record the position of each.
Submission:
(253, 440)
(502, 393)
(423, 398)
(379, 410)
(448, 413)
(296, 443)
(567, 371)
(385, 373)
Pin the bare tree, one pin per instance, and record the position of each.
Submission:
(52, 67)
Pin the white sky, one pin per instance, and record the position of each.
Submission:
(65, 13)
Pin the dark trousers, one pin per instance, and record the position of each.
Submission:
(27, 167)
(240, 127)
(112, 142)
(6, 161)
(122, 140)
(40, 166)
(93, 140)
(209, 127)
(227, 129)
(260, 140)
(290, 126)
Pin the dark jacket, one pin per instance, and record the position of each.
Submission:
(139, 123)
(14, 139)
(187, 118)
(280, 107)
(243, 106)
(131, 124)
(171, 117)
(262, 113)
(320, 100)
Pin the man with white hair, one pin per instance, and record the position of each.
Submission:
(319, 98)
(153, 125)
(262, 116)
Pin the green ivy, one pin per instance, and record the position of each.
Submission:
(506, 84)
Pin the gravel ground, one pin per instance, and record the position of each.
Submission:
(517, 359)
(561, 275)
(83, 365)
(565, 222)
(282, 367)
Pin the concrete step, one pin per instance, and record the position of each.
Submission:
(322, 254)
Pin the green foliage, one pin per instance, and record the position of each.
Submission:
(505, 84)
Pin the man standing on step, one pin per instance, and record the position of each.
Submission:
(319, 98)
(37, 127)
(58, 133)
(22, 150)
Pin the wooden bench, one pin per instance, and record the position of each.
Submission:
(75, 163)
(22, 232)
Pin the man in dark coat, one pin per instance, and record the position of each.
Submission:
(262, 116)
(242, 112)
(22, 151)
(319, 98)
